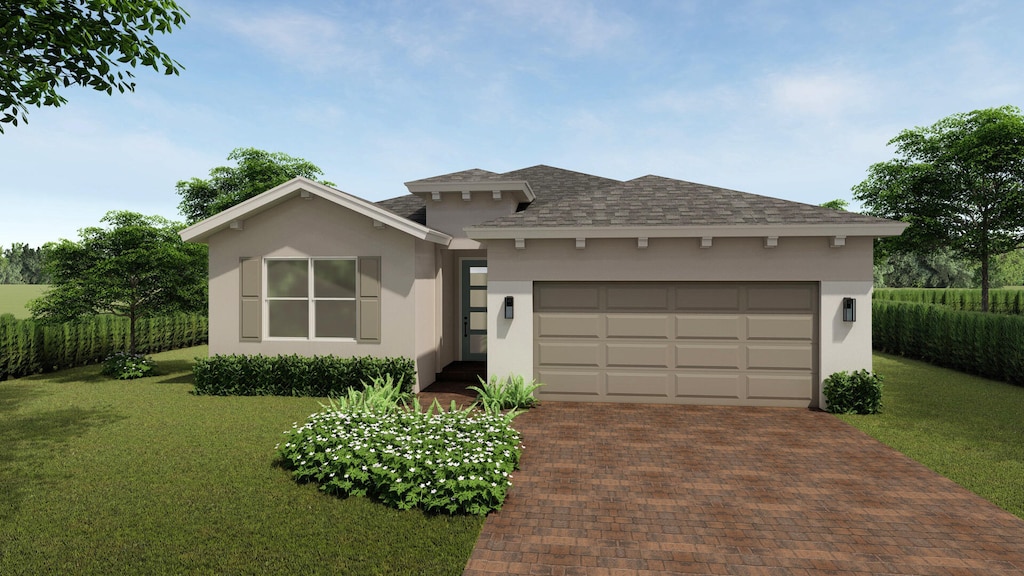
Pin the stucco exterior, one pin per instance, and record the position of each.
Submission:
(421, 242)
(840, 271)
(314, 227)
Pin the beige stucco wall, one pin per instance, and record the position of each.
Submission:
(841, 272)
(451, 213)
(318, 228)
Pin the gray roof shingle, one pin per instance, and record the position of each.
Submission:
(658, 201)
(409, 207)
(574, 199)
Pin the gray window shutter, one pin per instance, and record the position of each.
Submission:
(251, 307)
(369, 299)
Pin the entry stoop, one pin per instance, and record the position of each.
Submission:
(462, 372)
(451, 383)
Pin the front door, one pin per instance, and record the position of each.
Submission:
(474, 310)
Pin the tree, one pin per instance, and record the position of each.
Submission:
(1008, 269)
(837, 204)
(51, 44)
(22, 265)
(257, 171)
(138, 266)
(936, 269)
(959, 183)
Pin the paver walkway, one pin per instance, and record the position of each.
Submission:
(642, 489)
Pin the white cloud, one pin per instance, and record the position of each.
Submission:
(582, 26)
(823, 95)
(311, 42)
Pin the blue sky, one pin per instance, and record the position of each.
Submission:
(792, 99)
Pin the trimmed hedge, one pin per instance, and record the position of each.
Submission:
(991, 345)
(30, 347)
(1000, 300)
(320, 376)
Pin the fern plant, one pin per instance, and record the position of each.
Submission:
(511, 393)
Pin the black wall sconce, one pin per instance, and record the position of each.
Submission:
(849, 310)
(509, 310)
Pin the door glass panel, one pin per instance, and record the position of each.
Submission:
(334, 278)
(478, 276)
(336, 319)
(288, 318)
(478, 320)
(477, 343)
(478, 298)
(287, 278)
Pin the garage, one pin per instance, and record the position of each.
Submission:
(677, 342)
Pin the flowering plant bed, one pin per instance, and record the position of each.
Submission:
(453, 462)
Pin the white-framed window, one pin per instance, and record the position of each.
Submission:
(310, 298)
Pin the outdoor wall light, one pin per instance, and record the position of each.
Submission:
(849, 310)
(509, 311)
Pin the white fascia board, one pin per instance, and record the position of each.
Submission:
(522, 187)
(879, 230)
(202, 230)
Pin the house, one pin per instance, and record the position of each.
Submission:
(648, 290)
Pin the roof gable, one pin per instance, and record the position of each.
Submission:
(235, 216)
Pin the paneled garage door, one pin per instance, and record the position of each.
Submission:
(686, 343)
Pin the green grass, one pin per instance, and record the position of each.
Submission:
(967, 428)
(143, 477)
(14, 297)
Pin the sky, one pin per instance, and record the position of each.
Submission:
(791, 99)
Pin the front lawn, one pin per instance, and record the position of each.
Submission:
(143, 477)
(968, 429)
(14, 298)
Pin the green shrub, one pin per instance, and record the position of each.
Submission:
(512, 393)
(990, 345)
(294, 375)
(453, 462)
(1001, 300)
(31, 347)
(858, 392)
(125, 366)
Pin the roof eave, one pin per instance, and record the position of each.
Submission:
(520, 187)
(201, 231)
(872, 230)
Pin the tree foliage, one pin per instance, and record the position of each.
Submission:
(959, 183)
(47, 45)
(22, 264)
(256, 172)
(937, 269)
(837, 204)
(136, 267)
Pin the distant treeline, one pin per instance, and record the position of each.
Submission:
(22, 264)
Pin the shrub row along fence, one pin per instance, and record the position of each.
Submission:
(1001, 301)
(31, 347)
(245, 375)
(991, 345)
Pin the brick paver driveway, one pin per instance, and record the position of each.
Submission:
(644, 489)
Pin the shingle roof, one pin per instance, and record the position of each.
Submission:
(658, 201)
(471, 175)
(568, 199)
(410, 207)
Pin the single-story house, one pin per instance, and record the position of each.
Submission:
(647, 290)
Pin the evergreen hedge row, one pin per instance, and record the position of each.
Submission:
(991, 345)
(320, 376)
(30, 347)
(1001, 300)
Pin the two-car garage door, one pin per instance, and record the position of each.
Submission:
(698, 342)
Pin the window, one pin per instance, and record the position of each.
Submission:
(311, 298)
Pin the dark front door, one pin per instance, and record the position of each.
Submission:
(474, 310)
